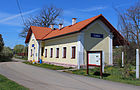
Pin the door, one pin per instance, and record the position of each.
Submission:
(42, 52)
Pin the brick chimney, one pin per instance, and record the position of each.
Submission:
(73, 21)
(52, 26)
(60, 26)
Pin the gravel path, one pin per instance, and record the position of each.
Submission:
(37, 78)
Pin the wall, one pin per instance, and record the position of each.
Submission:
(35, 42)
(97, 44)
(65, 41)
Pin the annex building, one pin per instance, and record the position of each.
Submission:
(69, 45)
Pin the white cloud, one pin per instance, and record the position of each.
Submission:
(92, 9)
(9, 20)
(73, 12)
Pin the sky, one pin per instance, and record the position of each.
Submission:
(11, 23)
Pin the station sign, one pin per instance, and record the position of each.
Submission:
(94, 35)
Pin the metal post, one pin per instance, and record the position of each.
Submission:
(122, 59)
(137, 63)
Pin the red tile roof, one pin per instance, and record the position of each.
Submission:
(42, 33)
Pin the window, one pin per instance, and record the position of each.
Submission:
(73, 52)
(45, 52)
(57, 52)
(42, 51)
(64, 52)
(51, 53)
(31, 52)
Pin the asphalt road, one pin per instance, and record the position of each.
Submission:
(37, 78)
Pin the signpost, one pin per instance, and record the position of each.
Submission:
(137, 63)
(122, 59)
(94, 58)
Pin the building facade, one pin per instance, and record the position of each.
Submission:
(68, 45)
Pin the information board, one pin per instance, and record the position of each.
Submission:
(94, 58)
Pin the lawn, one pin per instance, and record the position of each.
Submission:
(111, 73)
(49, 66)
(6, 84)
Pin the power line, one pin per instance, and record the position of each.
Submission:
(18, 4)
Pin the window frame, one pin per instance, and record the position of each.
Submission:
(57, 52)
(73, 52)
(51, 52)
(31, 52)
(64, 52)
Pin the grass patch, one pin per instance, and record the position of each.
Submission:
(49, 66)
(6, 84)
(111, 73)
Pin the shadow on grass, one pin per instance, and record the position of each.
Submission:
(104, 74)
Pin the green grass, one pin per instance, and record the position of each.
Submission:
(6, 84)
(23, 58)
(49, 66)
(111, 73)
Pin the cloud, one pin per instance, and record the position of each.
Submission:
(17, 15)
(92, 9)
(73, 12)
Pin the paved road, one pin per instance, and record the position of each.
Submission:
(37, 78)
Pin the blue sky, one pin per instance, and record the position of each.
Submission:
(11, 22)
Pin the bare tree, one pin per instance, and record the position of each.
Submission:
(48, 15)
(129, 24)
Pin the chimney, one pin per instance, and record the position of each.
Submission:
(73, 21)
(52, 26)
(60, 26)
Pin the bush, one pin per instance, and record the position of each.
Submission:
(1, 43)
(6, 54)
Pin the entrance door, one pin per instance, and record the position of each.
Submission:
(42, 52)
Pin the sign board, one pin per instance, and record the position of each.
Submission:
(94, 35)
(94, 58)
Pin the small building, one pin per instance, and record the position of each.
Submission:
(69, 45)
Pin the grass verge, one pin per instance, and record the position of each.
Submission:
(111, 73)
(49, 66)
(6, 84)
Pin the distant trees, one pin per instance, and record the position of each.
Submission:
(1, 43)
(19, 49)
(47, 16)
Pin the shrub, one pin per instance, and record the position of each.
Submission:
(1, 43)
(6, 54)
